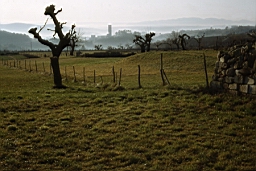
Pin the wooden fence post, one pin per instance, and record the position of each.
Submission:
(74, 74)
(166, 78)
(114, 75)
(139, 76)
(161, 69)
(25, 65)
(205, 70)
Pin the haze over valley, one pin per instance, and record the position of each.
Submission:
(22, 40)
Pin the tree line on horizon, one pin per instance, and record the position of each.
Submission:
(122, 39)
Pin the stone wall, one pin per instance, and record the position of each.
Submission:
(235, 69)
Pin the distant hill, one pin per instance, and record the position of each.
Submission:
(17, 41)
(160, 26)
(197, 22)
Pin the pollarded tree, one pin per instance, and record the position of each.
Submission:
(64, 41)
(139, 40)
(183, 39)
(144, 42)
(148, 37)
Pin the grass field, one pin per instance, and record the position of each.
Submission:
(177, 127)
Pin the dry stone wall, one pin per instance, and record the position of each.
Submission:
(235, 69)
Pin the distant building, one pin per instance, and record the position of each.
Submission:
(109, 30)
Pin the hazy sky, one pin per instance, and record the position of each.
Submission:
(115, 11)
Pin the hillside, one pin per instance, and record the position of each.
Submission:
(83, 127)
(17, 41)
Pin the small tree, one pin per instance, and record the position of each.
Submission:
(64, 41)
(183, 41)
(199, 40)
(144, 42)
(175, 39)
(74, 41)
(98, 47)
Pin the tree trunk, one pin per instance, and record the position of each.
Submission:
(72, 50)
(142, 49)
(56, 72)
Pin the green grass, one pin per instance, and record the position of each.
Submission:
(177, 127)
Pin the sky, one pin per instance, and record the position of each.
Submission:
(125, 11)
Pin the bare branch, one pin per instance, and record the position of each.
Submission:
(43, 25)
(58, 11)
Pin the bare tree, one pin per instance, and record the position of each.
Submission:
(183, 41)
(140, 41)
(75, 40)
(64, 41)
(98, 47)
(175, 39)
(148, 37)
(144, 42)
(199, 40)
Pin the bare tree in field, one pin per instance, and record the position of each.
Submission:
(199, 40)
(144, 42)
(183, 40)
(74, 41)
(140, 41)
(64, 41)
(148, 37)
(175, 39)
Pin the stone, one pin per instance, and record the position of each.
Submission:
(224, 65)
(239, 79)
(243, 88)
(225, 86)
(229, 80)
(231, 72)
(233, 86)
(224, 58)
(252, 89)
(248, 80)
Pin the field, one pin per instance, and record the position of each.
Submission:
(176, 127)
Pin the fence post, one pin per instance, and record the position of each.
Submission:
(25, 65)
(139, 76)
(74, 74)
(114, 75)
(161, 69)
(166, 78)
(205, 70)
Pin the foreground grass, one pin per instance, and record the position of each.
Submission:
(177, 127)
